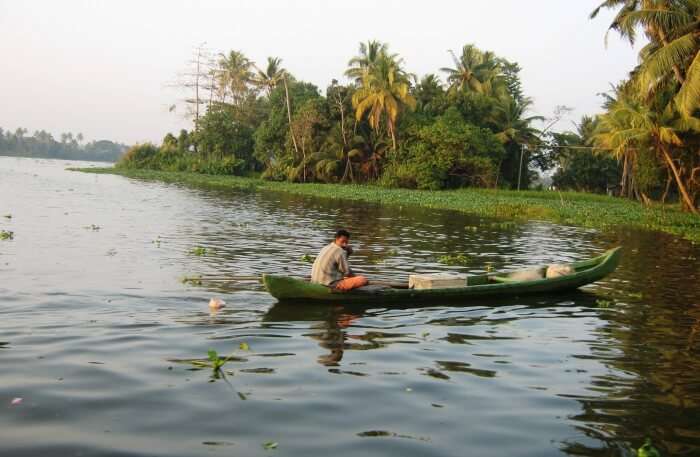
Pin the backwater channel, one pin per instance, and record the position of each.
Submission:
(96, 327)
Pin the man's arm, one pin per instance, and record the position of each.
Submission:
(343, 265)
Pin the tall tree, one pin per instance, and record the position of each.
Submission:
(383, 94)
(673, 30)
(234, 76)
(369, 55)
(630, 126)
(513, 128)
(269, 79)
(474, 70)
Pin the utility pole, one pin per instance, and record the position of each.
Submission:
(520, 170)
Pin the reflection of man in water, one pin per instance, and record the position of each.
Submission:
(331, 266)
(333, 338)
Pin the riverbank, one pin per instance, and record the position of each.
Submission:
(570, 208)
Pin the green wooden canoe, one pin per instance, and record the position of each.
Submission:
(285, 288)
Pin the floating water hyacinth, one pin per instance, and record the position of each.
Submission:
(647, 450)
(307, 258)
(602, 303)
(454, 260)
(194, 280)
(198, 250)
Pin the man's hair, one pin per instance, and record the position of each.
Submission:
(342, 232)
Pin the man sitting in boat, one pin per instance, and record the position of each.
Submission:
(331, 266)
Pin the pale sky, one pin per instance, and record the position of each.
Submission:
(103, 67)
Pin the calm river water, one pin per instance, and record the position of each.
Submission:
(96, 326)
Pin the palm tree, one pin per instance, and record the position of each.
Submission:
(383, 94)
(234, 75)
(672, 54)
(370, 54)
(474, 71)
(427, 92)
(513, 127)
(269, 79)
(631, 126)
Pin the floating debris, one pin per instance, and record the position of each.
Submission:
(6, 235)
(16, 401)
(216, 303)
(388, 434)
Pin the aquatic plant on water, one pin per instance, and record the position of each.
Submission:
(198, 251)
(193, 280)
(307, 258)
(6, 235)
(582, 209)
(454, 259)
(647, 450)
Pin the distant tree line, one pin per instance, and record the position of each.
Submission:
(43, 145)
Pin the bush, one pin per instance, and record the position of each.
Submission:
(399, 175)
(139, 156)
(169, 158)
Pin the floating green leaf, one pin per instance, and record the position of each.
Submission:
(6, 235)
(270, 445)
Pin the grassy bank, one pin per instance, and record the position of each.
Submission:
(571, 208)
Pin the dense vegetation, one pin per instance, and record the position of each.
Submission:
(389, 127)
(384, 126)
(43, 145)
(650, 122)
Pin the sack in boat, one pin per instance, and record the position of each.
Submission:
(556, 270)
(527, 275)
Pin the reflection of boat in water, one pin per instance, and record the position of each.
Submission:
(286, 288)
